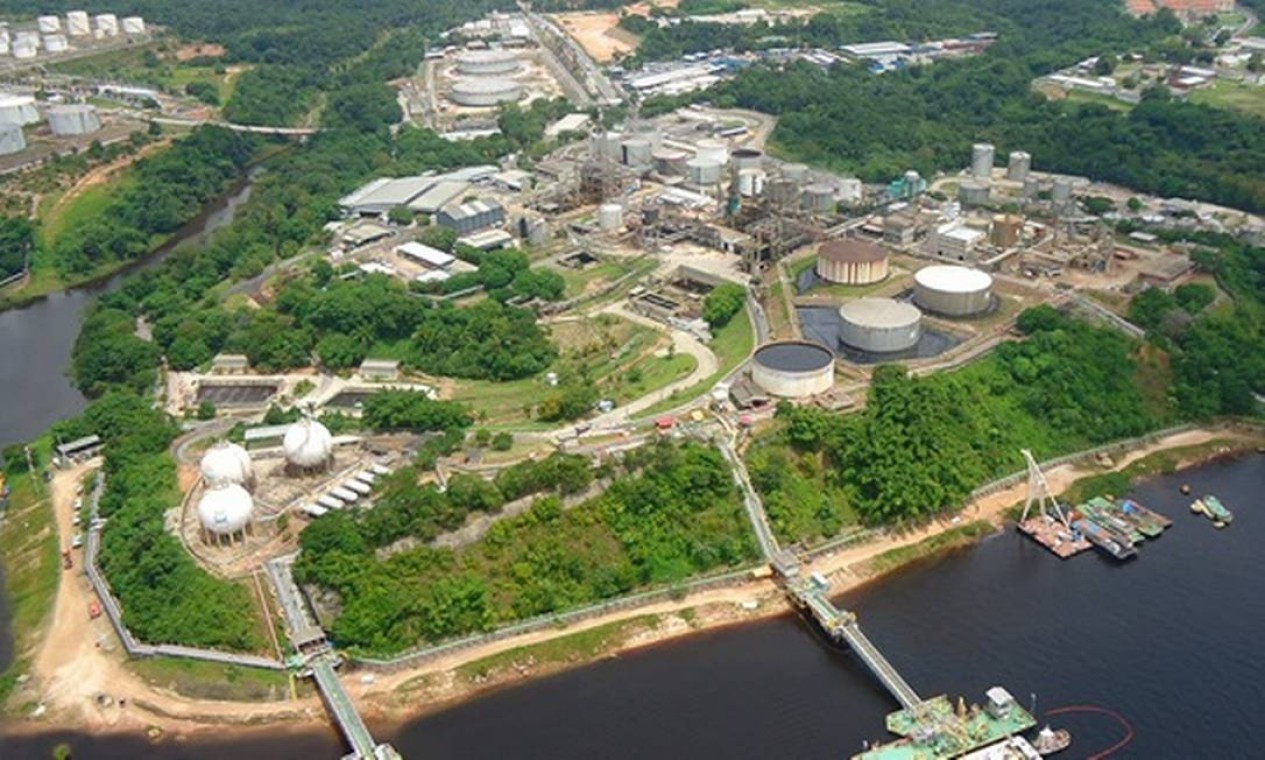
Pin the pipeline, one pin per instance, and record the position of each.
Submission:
(1128, 729)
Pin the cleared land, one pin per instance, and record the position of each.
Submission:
(1233, 95)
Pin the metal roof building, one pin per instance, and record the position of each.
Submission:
(425, 255)
(384, 194)
(438, 196)
(472, 216)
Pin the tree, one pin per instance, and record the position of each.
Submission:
(720, 305)
(502, 441)
(401, 215)
(206, 410)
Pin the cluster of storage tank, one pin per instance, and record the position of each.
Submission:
(52, 36)
(886, 325)
(486, 78)
(348, 492)
(18, 111)
(226, 507)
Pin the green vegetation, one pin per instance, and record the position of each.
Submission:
(732, 344)
(410, 410)
(922, 445)
(578, 647)
(209, 680)
(28, 549)
(1233, 95)
(17, 242)
(166, 597)
(670, 512)
(950, 540)
(725, 301)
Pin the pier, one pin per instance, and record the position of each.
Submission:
(932, 729)
(320, 660)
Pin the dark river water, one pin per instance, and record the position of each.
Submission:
(1171, 642)
(36, 340)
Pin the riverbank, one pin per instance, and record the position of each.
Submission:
(392, 699)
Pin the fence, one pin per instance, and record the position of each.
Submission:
(114, 611)
(560, 620)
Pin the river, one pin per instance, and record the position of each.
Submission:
(1169, 641)
(35, 389)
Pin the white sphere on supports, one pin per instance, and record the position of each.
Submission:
(308, 444)
(227, 463)
(225, 510)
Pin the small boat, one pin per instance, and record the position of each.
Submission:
(1197, 507)
(1216, 510)
(1049, 741)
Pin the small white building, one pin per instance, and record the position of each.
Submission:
(431, 258)
(380, 369)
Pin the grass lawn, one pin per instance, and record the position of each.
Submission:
(732, 344)
(211, 680)
(1080, 96)
(1232, 95)
(57, 218)
(29, 551)
(578, 280)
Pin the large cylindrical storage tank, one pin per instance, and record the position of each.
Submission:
(486, 92)
(747, 158)
(74, 119)
(11, 139)
(55, 43)
(953, 291)
(1019, 166)
(782, 192)
(704, 171)
(819, 197)
(973, 193)
(669, 161)
(637, 151)
(488, 62)
(880, 325)
(77, 24)
(1062, 191)
(610, 216)
(48, 24)
(851, 261)
(982, 155)
(133, 25)
(795, 173)
(850, 190)
(1031, 188)
(18, 109)
(793, 369)
(1007, 230)
(750, 182)
(24, 49)
(713, 150)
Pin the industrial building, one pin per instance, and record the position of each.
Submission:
(880, 325)
(471, 217)
(380, 369)
(439, 195)
(953, 290)
(383, 194)
(955, 241)
(793, 369)
(431, 258)
(852, 261)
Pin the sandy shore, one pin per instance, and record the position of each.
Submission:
(78, 660)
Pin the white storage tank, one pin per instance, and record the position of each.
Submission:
(973, 192)
(880, 325)
(712, 150)
(486, 91)
(73, 119)
(107, 25)
(1019, 166)
(610, 217)
(793, 369)
(797, 173)
(133, 25)
(77, 24)
(1062, 191)
(782, 192)
(751, 182)
(488, 62)
(226, 463)
(56, 43)
(748, 158)
(704, 171)
(25, 48)
(850, 190)
(11, 139)
(4, 47)
(819, 197)
(982, 156)
(952, 290)
(308, 445)
(1031, 188)
(637, 151)
(852, 261)
(344, 494)
(225, 511)
(358, 487)
(18, 109)
(669, 161)
(48, 24)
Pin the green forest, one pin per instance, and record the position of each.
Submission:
(166, 597)
(669, 512)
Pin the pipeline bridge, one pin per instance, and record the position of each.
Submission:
(248, 128)
(321, 660)
(811, 594)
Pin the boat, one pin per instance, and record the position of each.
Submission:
(1100, 511)
(1216, 510)
(1158, 521)
(1105, 540)
(1049, 741)
(1197, 507)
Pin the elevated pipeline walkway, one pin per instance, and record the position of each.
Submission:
(810, 594)
(309, 641)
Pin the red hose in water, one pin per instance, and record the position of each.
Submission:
(1128, 729)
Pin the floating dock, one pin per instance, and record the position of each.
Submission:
(1061, 540)
(935, 730)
